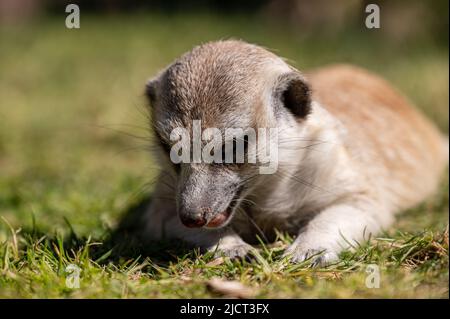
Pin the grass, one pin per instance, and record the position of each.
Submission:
(67, 173)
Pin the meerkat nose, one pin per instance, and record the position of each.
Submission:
(193, 221)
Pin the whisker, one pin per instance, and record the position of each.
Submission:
(260, 231)
(304, 182)
(246, 180)
(144, 138)
(145, 148)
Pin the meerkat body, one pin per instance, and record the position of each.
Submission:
(352, 152)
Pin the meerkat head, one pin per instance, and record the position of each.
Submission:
(208, 110)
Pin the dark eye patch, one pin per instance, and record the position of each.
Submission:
(166, 148)
(162, 143)
(234, 151)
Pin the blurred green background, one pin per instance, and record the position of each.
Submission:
(73, 135)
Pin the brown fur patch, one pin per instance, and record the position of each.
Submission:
(382, 122)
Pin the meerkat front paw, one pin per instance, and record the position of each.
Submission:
(233, 251)
(318, 257)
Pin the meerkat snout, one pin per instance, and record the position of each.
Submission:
(248, 146)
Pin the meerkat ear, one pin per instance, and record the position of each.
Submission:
(295, 94)
(150, 89)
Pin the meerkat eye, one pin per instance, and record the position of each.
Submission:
(166, 149)
(235, 149)
(161, 142)
(164, 146)
(177, 168)
(223, 154)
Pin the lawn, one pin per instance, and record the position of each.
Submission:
(74, 159)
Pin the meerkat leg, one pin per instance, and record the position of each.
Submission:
(336, 228)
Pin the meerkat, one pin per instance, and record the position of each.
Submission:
(352, 152)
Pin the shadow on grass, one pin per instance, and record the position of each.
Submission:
(117, 246)
(126, 242)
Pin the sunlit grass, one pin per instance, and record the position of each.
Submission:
(66, 96)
